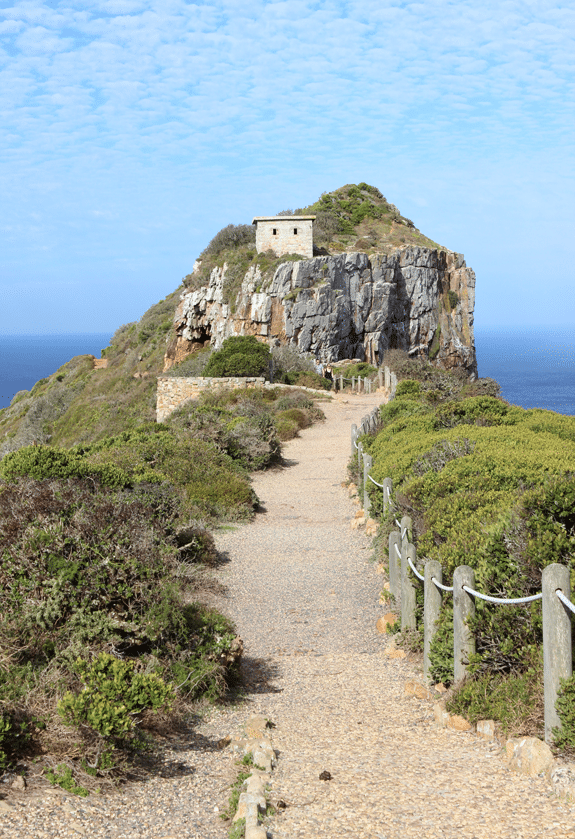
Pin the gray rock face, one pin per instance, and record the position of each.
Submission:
(344, 306)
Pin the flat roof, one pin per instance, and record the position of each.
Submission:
(282, 218)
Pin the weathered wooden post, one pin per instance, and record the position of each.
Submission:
(393, 383)
(387, 492)
(367, 464)
(387, 374)
(407, 588)
(432, 599)
(556, 641)
(341, 382)
(463, 610)
(406, 529)
(380, 377)
(359, 459)
(353, 439)
(394, 563)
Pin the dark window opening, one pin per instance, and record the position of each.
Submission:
(274, 231)
(295, 231)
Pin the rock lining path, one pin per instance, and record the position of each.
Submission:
(304, 594)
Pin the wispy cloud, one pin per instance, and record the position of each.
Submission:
(127, 110)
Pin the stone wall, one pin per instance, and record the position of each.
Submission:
(285, 240)
(173, 390)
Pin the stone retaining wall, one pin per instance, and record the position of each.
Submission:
(173, 390)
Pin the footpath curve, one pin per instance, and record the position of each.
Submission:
(304, 595)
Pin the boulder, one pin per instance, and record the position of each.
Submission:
(529, 755)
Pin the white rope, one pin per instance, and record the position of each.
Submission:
(398, 523)
(374, 482)
(398, 552)
(440, 585)
(355, 444)
(565, 600)
(502, 600)
(414, 569)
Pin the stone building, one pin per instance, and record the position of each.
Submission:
(284, 234)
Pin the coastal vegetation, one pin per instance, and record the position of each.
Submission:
(355, 217)
(489, 485)
(106, 553)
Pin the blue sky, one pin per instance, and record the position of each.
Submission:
(133, 130)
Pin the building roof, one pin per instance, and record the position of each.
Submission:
(282, 218)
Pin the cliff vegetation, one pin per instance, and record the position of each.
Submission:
(489, 485)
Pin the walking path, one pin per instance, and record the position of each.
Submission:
(304, 594)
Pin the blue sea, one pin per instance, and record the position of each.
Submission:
(535, 368)
(26, 358)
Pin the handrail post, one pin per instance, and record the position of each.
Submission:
(367, 464)
(432, 600)
(407, 588)
(387, 374)
(359, 458)
(353, 439)
(394, 543)
(380, 377)
(463, 610)
(406, 530)
(556, 641)
(387, 485)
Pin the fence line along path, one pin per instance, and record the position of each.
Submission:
(304, 595)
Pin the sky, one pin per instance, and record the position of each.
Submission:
(133, 130)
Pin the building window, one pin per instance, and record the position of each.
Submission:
(274, 231)
(295, 231)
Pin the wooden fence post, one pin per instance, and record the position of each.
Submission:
(367, 464)
(463, 610)
(407, 588)
(431, 608)
(394, 563)
(556, 641)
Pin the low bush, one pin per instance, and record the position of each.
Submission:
(491, 486)
(87, 571)
(242, 355)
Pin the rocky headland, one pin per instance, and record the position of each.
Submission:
(348, 305)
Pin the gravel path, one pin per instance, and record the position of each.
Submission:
(304, 595)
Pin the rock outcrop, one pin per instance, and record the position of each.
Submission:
(346, 306)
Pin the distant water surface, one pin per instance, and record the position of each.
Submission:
(26, 358)
(535, 367)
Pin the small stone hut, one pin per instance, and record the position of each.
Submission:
(284, 234)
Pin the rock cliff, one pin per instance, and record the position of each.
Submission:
(349, 305)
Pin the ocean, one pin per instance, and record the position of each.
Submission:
(535, 368)
(26, 358)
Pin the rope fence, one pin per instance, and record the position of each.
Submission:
(405, 578)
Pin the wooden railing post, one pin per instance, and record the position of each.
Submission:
(557, 662)
(463, 610)
(407, 588)
(431, 608)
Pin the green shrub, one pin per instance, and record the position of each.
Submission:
(564, 736)
(242, 355)
(113, 696)
(515, 700)
(62, 777)
(408, 387)
(287, 428)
